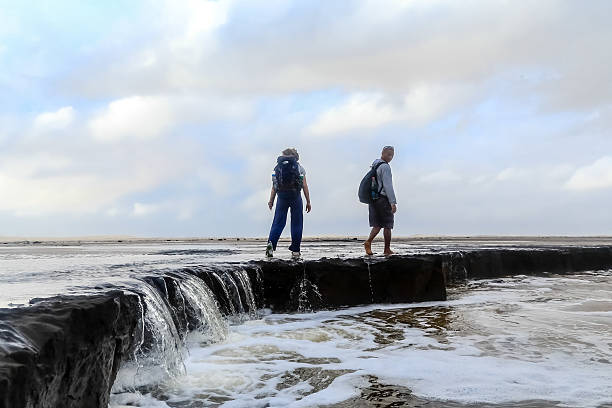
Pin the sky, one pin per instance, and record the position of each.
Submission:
(164, 118)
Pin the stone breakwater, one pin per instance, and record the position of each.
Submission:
(66, 351)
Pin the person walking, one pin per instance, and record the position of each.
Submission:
(383, 205)
(288, 181)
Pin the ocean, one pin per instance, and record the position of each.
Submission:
(520, 341)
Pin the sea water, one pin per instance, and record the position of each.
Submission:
(520, 341)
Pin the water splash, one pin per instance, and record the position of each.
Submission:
(308, 295)
(454, 267)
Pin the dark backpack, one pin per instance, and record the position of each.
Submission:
(369, 190)
(288, 174)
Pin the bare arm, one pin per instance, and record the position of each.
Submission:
(307, 195)
(272, 197)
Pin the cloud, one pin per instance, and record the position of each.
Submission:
(595, 176)
(442, 176)
(59, 119)
(512, 173)
(176, 110)
(361, 111)
(134, 117)
(150, 117)
(141, 210)
(364, 111)
(69, 192)
(256, 205)
(35, 164)
(264, 47)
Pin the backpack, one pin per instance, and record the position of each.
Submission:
(287, 173)
(368, 188)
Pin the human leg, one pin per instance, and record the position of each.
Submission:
(368, 243)
(297, 223)
(387, 235)
(280, 220)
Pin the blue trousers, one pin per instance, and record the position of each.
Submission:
(288, 200)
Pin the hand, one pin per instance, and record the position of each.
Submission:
(393, 208)
(308, 207)
(270, 204)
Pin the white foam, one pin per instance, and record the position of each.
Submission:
(499, 343)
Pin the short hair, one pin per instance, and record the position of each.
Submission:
(290, 151)
(388, 148)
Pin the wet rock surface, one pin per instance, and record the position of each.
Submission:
(65, 351)
(499, 262)
(330, 283)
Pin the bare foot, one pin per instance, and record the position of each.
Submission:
(368, 248)
(388, 252)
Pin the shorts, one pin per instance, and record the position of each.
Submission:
(381, 214)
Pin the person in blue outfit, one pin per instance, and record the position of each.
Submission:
(288, 181)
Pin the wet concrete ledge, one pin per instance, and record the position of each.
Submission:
(332, 283)
(65, 351)
(335, 282)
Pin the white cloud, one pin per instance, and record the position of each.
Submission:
(142, 209)
(512, 173)
(266, 47)
(73, 178)
(198, 19)
(361, 111)
(59, 119)
(113, 211)
(442, 176)
(143, 118)
(134, 117)
(255, 205)
(182, 209)
(32, 164)
(68, 193)
(597, 175)
(364, 111)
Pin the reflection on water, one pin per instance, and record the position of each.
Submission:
(388, 326)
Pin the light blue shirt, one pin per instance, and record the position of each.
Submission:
(385, 179)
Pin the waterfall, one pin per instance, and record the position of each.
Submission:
(228, 297)
(180, 306)
(210, 323)
(247, 288)
(370, 281)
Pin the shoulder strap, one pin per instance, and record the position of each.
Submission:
(376, 174)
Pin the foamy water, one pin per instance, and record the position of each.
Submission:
(495, 341)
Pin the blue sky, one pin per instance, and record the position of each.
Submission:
(161, 118)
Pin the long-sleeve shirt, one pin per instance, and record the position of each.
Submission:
(385, 179)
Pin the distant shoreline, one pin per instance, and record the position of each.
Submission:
(204, 240)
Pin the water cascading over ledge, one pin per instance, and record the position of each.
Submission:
(70, 351)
